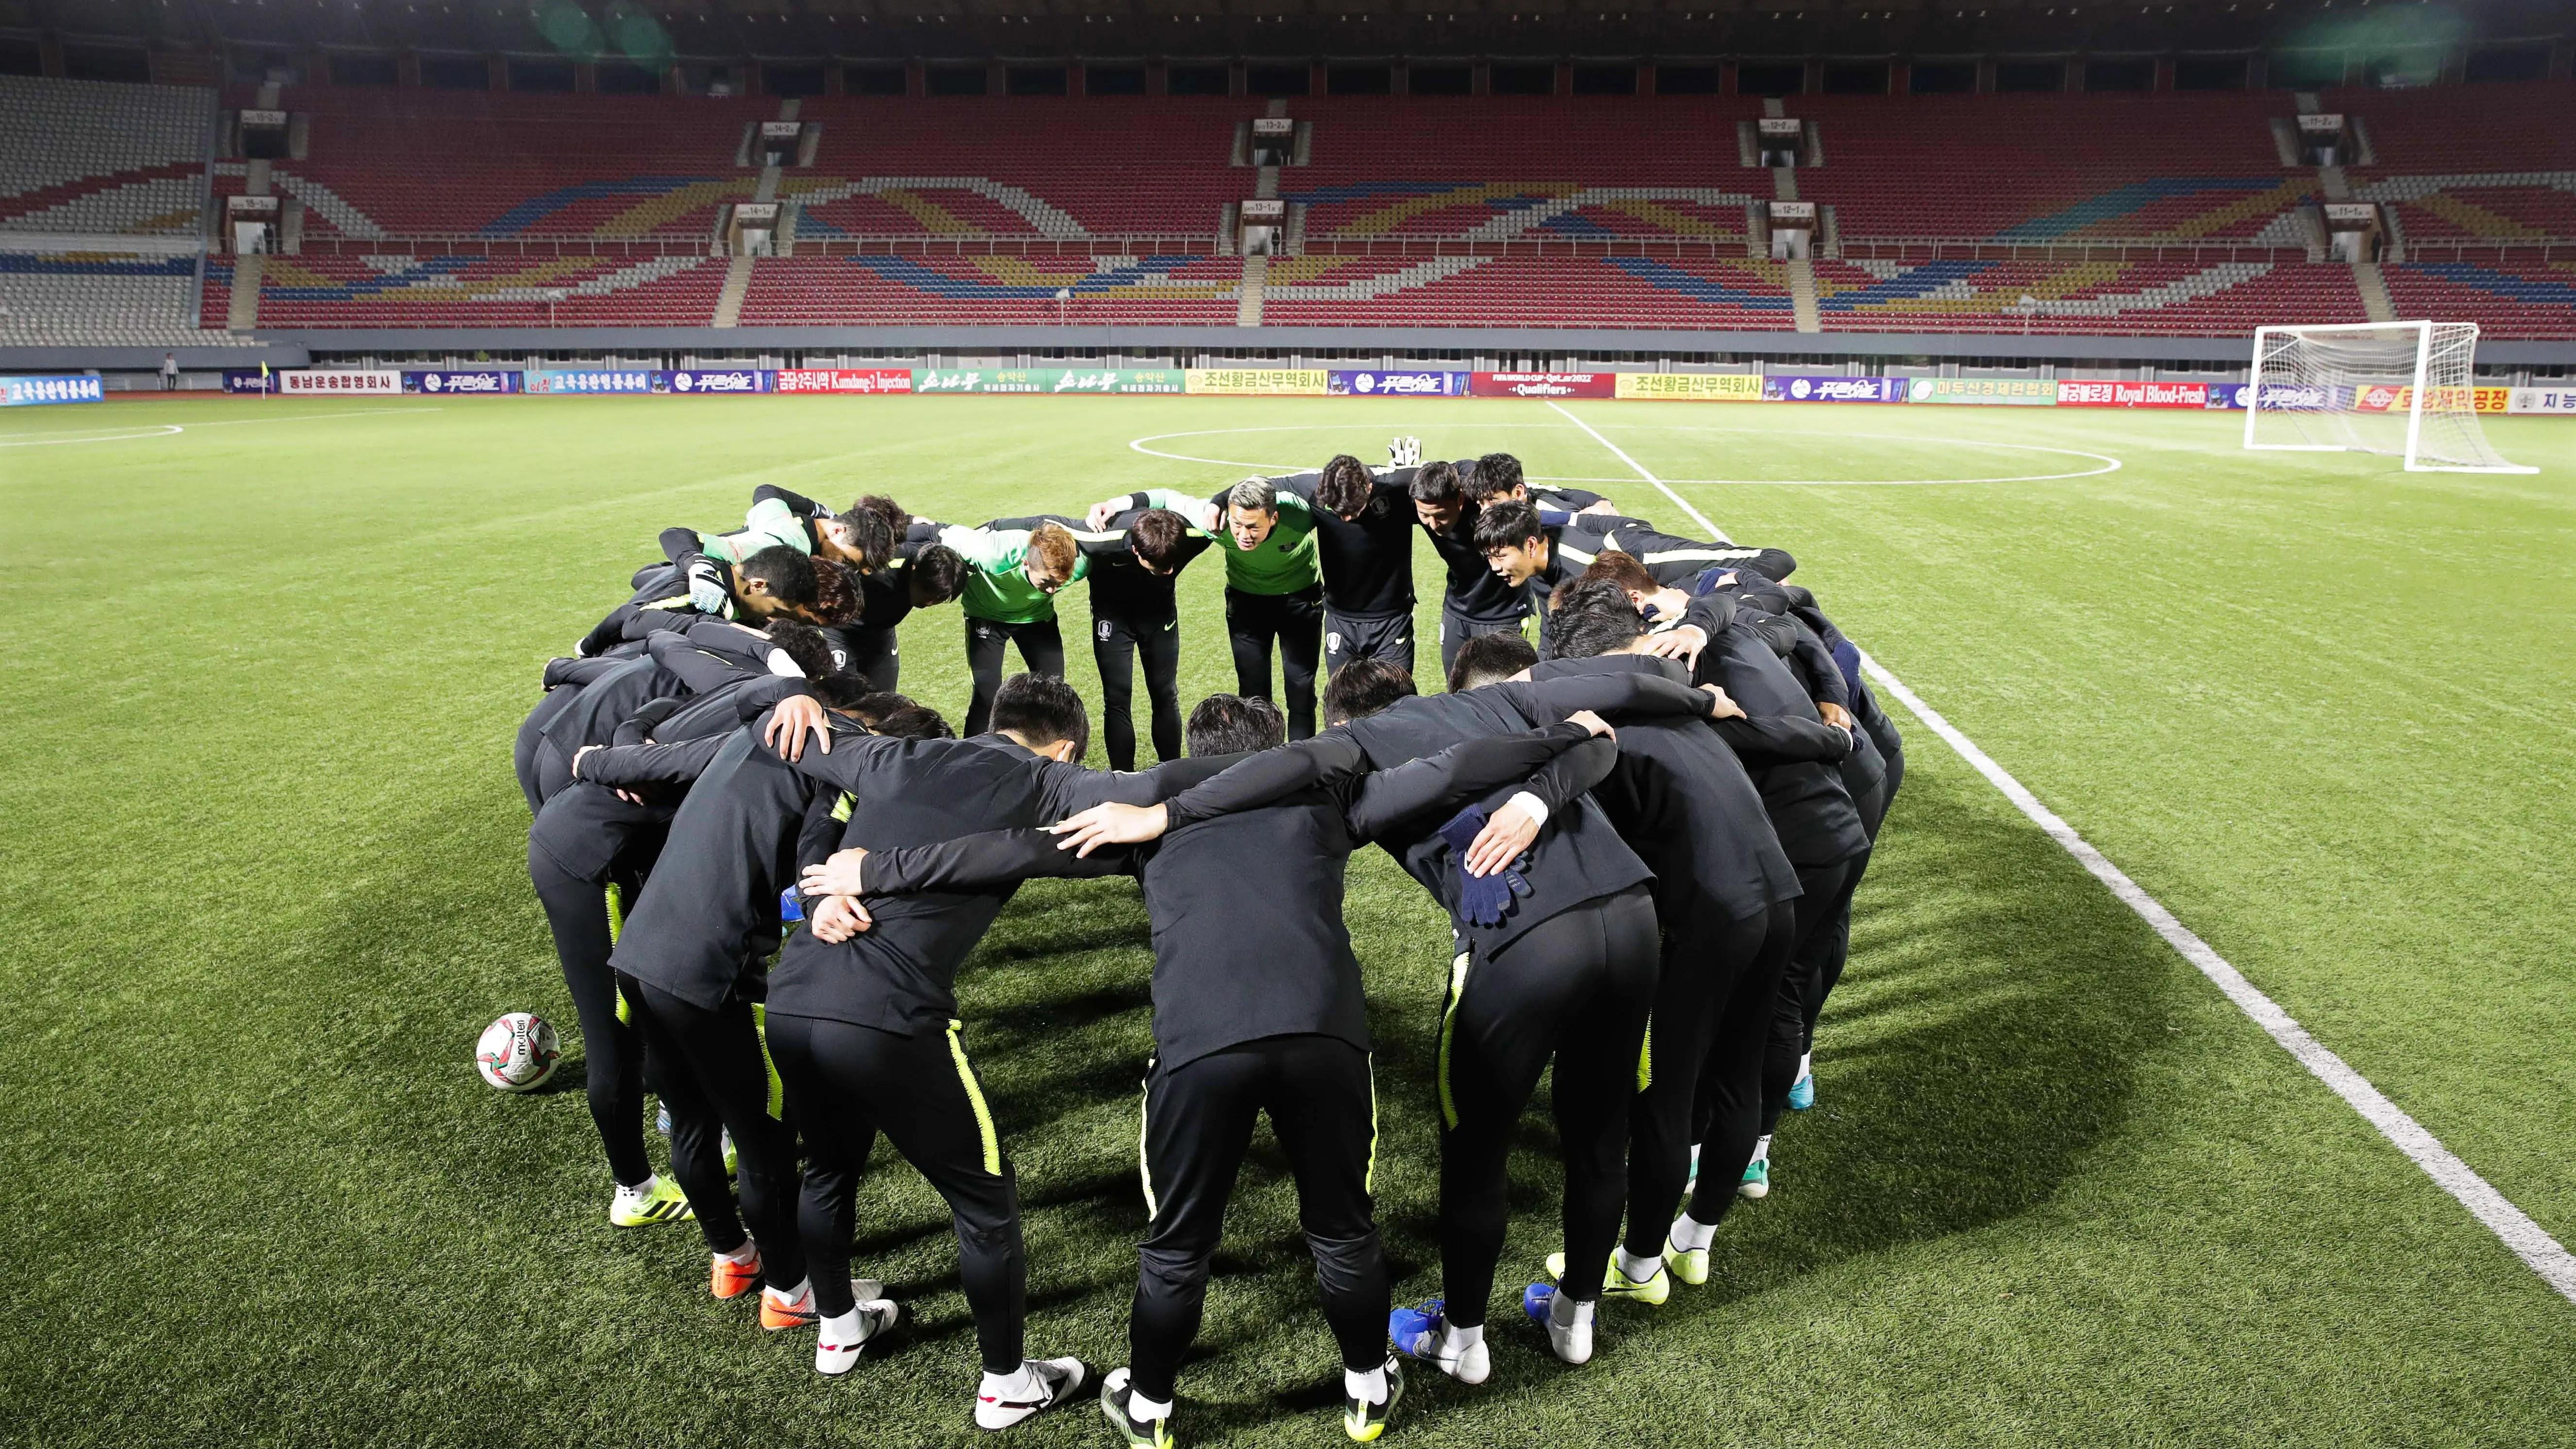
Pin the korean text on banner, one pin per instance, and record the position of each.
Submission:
(2019, 392)
(1106, 380)
(313, 381)
(1834, 389)
(1690, 386)
(1258, 382)
(33, 392)
(2083, 393)
(2389, 398)
(855, 381)
(588, 380)
(719, 380)
(1398, 384)
(1543, 384)
(481, 380)
(2551, 401)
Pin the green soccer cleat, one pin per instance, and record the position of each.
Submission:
(1140, 1433)
(1364, 1421)
(1688, 1264)
(660, 1202)
(1616, 1284)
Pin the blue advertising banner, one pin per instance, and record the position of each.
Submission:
(722, 379)
(483, 380)
(29, 392)
(1833, 389)
(567, 380)
(1396, 384)
(2231, 395)
(2302, 397)
(247, 379)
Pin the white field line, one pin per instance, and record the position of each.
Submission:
(113, 433)
(2529, 1241)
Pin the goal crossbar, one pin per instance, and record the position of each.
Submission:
(2343, 386)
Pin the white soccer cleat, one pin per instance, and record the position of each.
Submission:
(1057, 1379)
(836, 1351)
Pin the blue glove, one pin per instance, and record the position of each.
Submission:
(1847, 659)
(1483, 900)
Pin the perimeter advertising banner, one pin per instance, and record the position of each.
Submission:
(1689, 386)
(309, 382)
(698, 381)
(2014, 392)
(1834, 389)
(2231, 395)
(1258, 382)
(2554, 401)
(1100, 380)
(36, 392)
(587, 380)
(2079, 393)
(1543, 384)
(850, 380)
(246, 379)
(1398, 384)
(2381, 398)
(448, 384)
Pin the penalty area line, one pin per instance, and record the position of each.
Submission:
(2529, 1241)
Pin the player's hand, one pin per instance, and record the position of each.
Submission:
(1097, 518)
(837, 919)
(1605, 506)
(1600, 727)
(1725, 708)
(1404, 453)
(842, 875)
(706, 588)
(788, 724)
(1682, 642)
(1507, 833)
(1835, 715)
(1110, 825)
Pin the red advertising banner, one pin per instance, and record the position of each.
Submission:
(1542, 384)
(2080, 394)
(845, 379)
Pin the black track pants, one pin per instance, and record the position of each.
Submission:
(1041, 649)
(1827, 901)
(1456, 629)
(1297, 622)
(848, 1082)
(713, 1075)
(585, 843)
(523, 750)
(1727, 1113)
(872, 654)
(1352, 637)
(1703, 959)
(1115, 646)
(1577, 988)
(1198, 1123)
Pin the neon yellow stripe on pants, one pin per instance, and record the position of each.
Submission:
(975, 1095)
(777, 1088)
(1448, 1031)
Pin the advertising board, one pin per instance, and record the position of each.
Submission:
(35, 392)
(310, 382)
(1689, 386)
(1834, 389)
(1257, 382)
(1372, 383)
(698, 381)
(851, 380)
(2011, 392)
(2554, 401)
(2083, 393)
(1543, 384)
(448, 384)
(588, 380)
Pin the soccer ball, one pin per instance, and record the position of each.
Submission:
(518, 1052)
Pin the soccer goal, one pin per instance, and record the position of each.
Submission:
(2407, 389)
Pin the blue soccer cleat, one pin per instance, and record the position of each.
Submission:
(1802, 1093)
(1757, 1179)
(1419, 1332)
(1571, 1343)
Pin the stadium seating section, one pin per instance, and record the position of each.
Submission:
(2144, 214)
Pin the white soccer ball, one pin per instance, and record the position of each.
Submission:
(518, 1052)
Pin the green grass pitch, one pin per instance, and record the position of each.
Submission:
(262, 882)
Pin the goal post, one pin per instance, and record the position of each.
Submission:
(2404, 389)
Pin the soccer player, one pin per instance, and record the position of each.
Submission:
(1497, 478)
(1556, 951)
(1272, 589)
(1012, 578)
(921, 575)
(1724, 891)
(1134, 556)
(1364, 543)
(1257, 1009)
(776, 581)
(862, 538)
(1473, 600)
(863, 1023)
(1536, 557)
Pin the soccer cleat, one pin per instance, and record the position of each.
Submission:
(1757, 1179)
(1573, 1345)
(1058, 1380)
(1363, 1420)
(1692, 1181)
(730, 1160)
(1616, 1284)
(663, 1202)
(1802, 1093)
(1418, 1333)
(834, 1359)
(729, 1279)
(779, 1314)
(1688, 1264)
(662, 1120)
(1141, 1433)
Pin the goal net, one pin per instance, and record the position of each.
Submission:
(2406, 389)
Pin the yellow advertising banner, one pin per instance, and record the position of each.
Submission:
(1691, 386)
(1258, 382)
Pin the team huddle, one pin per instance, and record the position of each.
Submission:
(1644, 799)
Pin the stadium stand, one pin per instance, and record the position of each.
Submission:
(2509, 300)
(431, 290)
(2228, 298)
(2469, 163)
(1737, 293)
(1165, 291)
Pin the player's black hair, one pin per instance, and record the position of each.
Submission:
(1363, 687)
(898, 523)
(1589, 617)
(843, 691)
(1507, 524)
(935, 575)
(878, 704)
(1232, 724)
(1041, 710)
(837, 600)
(915, 722)
(787, 571)
(1345, 487)
(1494, 475)
(1435, 482)
(1156, 536)
(871, 535)
(805, 644)
(1489, 659)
